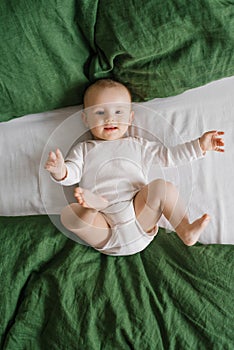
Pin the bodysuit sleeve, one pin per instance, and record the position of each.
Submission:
(74, 163)
(171, 156)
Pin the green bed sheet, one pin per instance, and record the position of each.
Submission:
(51, 50)
(57, 294)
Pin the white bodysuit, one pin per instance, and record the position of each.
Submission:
(117, 170)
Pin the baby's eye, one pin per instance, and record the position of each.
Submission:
(99, 112)
(119, 112)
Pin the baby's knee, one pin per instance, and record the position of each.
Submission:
(159, 184)
(160, 187)
(69, 216)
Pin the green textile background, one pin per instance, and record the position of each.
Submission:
(42, 56)
(57, 294)
(51, 50)
(160, 48)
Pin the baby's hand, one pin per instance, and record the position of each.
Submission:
(210, 141)
(55, 165)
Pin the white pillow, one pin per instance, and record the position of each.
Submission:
(206, 185)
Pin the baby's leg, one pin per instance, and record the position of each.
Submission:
(88, 224)
(161, 197)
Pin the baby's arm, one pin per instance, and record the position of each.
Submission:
(210, 141)
(56, 166)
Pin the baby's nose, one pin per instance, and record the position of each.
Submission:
(109, 118)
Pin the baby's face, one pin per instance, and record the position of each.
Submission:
(108, 113)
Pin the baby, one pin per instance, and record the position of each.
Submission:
(116, 209)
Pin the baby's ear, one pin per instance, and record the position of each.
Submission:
(84, 118)
(131, 116)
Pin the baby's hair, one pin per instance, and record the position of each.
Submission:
(105, 83)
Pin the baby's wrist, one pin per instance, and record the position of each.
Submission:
(201, 146)
(61, 175)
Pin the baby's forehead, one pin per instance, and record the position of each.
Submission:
(106, 94)
(117, 88)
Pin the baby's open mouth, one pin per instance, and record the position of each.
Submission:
(110, 128)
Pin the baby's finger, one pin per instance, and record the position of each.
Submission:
(59, 154)
(219, 140)
(52, 156)
(49, 168)
(211, 132)
(47, 164)
(76, 193)
(51, 164)
(78, 190)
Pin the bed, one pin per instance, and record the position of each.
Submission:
(176, 57)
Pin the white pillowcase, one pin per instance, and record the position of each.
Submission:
(206, 185)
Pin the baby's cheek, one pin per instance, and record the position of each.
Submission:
(96, 122)
(97, 132)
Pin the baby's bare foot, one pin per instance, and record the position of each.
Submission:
(90, 200)
(190, 233)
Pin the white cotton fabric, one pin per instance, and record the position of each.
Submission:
(127, 235)
(118, 169)
(206, 185)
